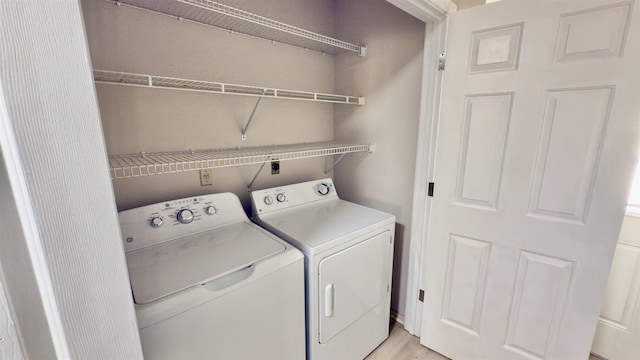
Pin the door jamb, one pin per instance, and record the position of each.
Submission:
(28, 230)
(434, 13)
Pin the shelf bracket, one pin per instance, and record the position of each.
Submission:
(334, 163)
(258, 173)
(372, 148)
(244, 131)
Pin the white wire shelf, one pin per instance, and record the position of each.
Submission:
(163, 82)
(226, 17)
(146, 164)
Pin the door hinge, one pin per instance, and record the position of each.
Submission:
(421, 295)
(442, 61)
(430, 190)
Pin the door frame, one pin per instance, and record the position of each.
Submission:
(435, 14)
(43, 270)
(28, 251)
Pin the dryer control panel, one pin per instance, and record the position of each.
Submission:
(288, 196)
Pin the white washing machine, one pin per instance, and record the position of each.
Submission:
(208, 283)
(348, 258)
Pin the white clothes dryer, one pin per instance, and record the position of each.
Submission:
(209, 284)
(348, 252)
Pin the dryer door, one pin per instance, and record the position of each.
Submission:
(352, 282)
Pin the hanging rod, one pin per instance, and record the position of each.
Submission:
(222, 16)
(146, 164)
(163, 82)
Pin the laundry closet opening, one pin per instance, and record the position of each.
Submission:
(316, 112)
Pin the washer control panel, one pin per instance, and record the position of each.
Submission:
(169, 220)
(284, 197)
(183, 211)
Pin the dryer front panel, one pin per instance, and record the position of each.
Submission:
(352, 282)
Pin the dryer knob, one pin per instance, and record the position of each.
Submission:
(323, 189)
(210, 210)
(268, 200)
(185, 216)
(156, 222)
(281, 197)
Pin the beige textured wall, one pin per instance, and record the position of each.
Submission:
(139, 119)
(390, 78)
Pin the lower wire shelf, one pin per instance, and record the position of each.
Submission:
(146, 164)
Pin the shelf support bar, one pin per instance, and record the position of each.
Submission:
(371, 149)
(334, 163)
(258, 173)
(244, 131)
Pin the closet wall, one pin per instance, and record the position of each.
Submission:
(390, 76)
(137, 119)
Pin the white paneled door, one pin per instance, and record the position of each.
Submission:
(537, 139)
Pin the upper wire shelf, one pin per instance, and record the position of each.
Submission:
(226, 17)
(145, 164)
(163, 82)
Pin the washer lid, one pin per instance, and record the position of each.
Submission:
(163, 269)
(319, 226)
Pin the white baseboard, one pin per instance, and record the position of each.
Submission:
(397, 317)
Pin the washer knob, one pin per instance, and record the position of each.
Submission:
(210, 210)
(281, 197)
(268, 200)
(156, 222)
(185, 216)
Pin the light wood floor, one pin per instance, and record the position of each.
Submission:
(402, 346)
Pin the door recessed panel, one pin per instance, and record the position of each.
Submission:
(574, 126)
(484, 140)
(593, 34)
(465, 283)
(495, 49)
(352, 282)
(542, 285)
